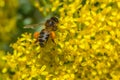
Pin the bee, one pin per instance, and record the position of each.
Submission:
(49, 31)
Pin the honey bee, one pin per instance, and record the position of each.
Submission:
(43, 36)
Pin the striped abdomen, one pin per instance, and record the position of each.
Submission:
(43, 37)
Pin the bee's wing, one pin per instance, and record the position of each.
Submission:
(32, 26)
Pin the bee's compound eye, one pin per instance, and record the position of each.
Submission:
(55, 19)
(49, 23)
(36, 35)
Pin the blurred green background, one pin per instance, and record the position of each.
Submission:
(14, 14)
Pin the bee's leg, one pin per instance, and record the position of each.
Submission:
(55, 28)
(52, 35)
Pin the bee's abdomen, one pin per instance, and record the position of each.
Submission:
(43, 38)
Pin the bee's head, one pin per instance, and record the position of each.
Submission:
(52, 23)
(49, 23)
(55, 19)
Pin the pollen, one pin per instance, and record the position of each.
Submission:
(36, 35)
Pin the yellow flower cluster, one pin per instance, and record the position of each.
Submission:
(87, 45)
(47, 6)
(7, 20)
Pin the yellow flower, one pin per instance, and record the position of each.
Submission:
(8, 20)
